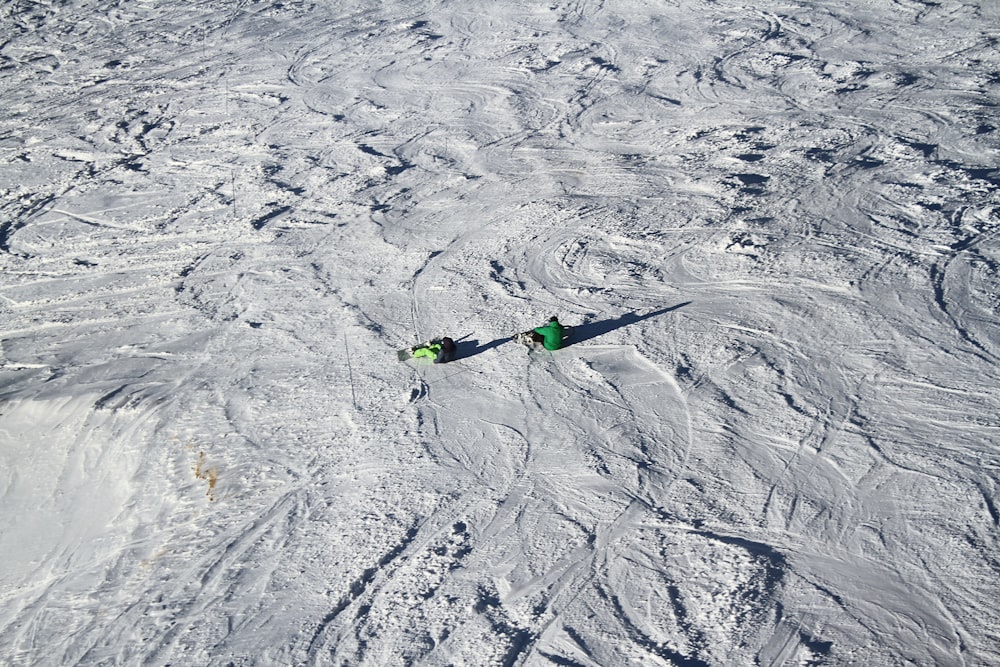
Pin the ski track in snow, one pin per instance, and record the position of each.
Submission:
(774, 230)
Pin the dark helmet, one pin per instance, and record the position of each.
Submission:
(553, 319)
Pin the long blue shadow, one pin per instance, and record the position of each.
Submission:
(470, 348)
(585, 332)
(579, 334)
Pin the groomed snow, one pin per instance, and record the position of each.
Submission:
(774, 227)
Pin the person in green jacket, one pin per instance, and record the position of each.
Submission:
(550, 335)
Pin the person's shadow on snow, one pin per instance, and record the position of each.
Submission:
(579, 333)
(587, 331)
(470, 348)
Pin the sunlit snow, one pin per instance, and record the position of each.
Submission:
(774, 439)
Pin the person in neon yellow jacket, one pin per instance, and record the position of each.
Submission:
(429, 350)
(441, 351)
(550, 335)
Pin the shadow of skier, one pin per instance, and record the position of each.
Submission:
(585, 332)
(580, 333)
(470, 348)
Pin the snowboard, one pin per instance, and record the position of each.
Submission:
(524, 338)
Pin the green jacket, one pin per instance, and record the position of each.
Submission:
(552, 333)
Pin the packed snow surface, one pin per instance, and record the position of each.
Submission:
(774, 438)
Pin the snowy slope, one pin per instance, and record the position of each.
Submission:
(774, 227)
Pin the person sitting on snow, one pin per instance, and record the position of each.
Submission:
(550, 335)
(441, 351)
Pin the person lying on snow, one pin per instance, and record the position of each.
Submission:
(441, 351)
(549, 335)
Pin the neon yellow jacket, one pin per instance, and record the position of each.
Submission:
(428, 351)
